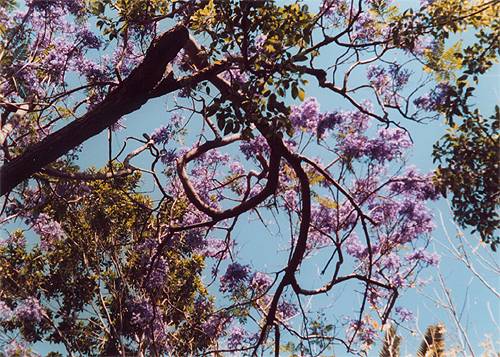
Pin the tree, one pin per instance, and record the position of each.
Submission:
(112, 270)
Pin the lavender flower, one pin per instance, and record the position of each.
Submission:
(162, 134)
(435, 99)
(286, 310)
(49, 230)
(29, 310)
(354, 246)
(404, 314)
(88, 38)
(6, 312)
(424, 256)
(236, 337)
(260, 281)
(235, 275)
(306, 116)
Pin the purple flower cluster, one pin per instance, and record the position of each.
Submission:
(235, 76)
(259, 42)
(260, 281)
(363, 330)
(389, 144)
(421, 255)
(215, 325)
(388, 82)
(18, 349)
(354, 247)
(142, 312)
(286, 310)
(404, 314)
(29, 310)
(50, 6)
(435, 99)
(49, 230)
(88, 38)
(6, 312)
(252, 148)
(236, 274)
(162, 134)
(306, 116)
(237, 336)
(414, 184)
(158, 274)
(215, 248)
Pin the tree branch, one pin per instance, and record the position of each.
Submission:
(129, 96)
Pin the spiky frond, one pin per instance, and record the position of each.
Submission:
(433, 343)
(390, 348)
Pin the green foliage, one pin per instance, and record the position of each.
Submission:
(89, 277)
(468, 168)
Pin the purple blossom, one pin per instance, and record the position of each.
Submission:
(354, 247)
(414, 184)
(215, 248)
(365, 28)
(142, 312)
(158, 274)
(290, 198)
(29, 310)
(353, 145)
(363, 330)
(286, 310)
(391, 143)
(236, 337)
(404, 314)
(254, 147)
(168, 156)
(306, 116)
(88, 38)
(235, 275)
(418, 220)
(91, 70)
(391, 262)
(259, 42)
(236, 168)
(331, 8)
(420, 254)
(18, 349)
(49, 230)
(423, 44)
(162, 134)
(328, 122)
(435, 99)
(384, 211)
(214, 327)
(6, 312)
(260, 281)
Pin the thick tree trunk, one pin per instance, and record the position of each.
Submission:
(129, 96)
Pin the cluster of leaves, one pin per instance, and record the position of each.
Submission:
(468, 153)
(468, 167)
(90, 279)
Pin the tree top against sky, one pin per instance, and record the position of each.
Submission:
(110, 268)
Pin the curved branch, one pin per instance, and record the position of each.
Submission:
(195, 199)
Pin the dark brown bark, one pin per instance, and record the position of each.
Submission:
(129, 96)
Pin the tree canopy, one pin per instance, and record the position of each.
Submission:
(98, 262)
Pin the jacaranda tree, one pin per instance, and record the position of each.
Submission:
(99, 263)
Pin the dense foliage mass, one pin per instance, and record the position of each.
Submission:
(99, 265)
